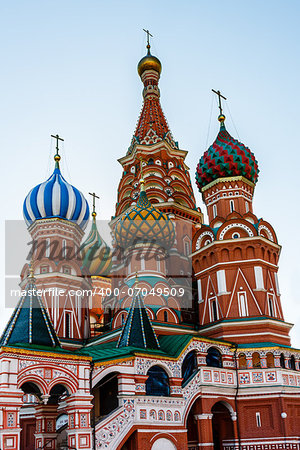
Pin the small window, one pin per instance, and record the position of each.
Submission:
(67, 324)
(235, 235)
(243, 308)
(215, 211)
(256, 360)
(44, 269)
(67, 270)
(271, 305)
(64, 248)
(158, 267)
(242, 361)
(157, 382)
(213, 357)
(186, 248)
(258, 421)
(189, 366)
(231, 205)
(213, 310)
(247, 206)
(292, 363)
(122, 319)
(282, 361)
(47, 247)
(165, 316)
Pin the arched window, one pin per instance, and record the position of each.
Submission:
(242, 361)
(189, 366)
(165, 316)
(246, 206)
(213, 358)
(106, 395)
(157, 382)
(150, 161)
(47, 247)
(256, 360)
(231, 206)
(215, 211)
(282, 361)
(64, 248)
(292, 363)
(270, 360)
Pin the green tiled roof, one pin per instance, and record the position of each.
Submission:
(170, 346)
(30, 322)
(137, 330)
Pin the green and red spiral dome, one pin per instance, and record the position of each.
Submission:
(226, 157)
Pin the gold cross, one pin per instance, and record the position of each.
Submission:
(94, 199)
(220, 96)
(57, 139)
(148, 35)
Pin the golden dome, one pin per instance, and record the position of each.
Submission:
(149, 62)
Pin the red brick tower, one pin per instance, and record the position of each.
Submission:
(236, 255)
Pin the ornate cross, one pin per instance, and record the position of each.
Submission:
(94, 199)
(57, 139)
(220, 96)
(148, 35)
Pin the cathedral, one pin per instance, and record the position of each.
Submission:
(170, 335)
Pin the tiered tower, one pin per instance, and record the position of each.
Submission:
(155, 157)
(236, 255)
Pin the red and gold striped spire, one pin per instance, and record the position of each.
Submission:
(152, 125)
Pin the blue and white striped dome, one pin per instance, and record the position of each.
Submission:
(56, 198)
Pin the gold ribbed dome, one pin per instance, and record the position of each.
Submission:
(149, 62)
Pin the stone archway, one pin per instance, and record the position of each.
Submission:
(31, 398)
(222, 425)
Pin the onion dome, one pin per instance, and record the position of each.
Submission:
(55, 197)
(96, 254)
(226, 157)
(144, 224)
(149, 62)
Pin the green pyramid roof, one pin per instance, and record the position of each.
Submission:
(30, 322)
(137, 330)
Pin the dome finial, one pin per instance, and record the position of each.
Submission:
(221, 117)
(57, 156)
(149, 62)
(94, 214)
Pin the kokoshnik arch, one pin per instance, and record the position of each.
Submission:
(143, 364)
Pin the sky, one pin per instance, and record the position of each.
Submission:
(69, 67)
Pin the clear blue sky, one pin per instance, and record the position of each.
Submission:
(69, 67)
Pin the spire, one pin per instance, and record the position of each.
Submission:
(152, 126)
(137, 330)
(30, 322)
